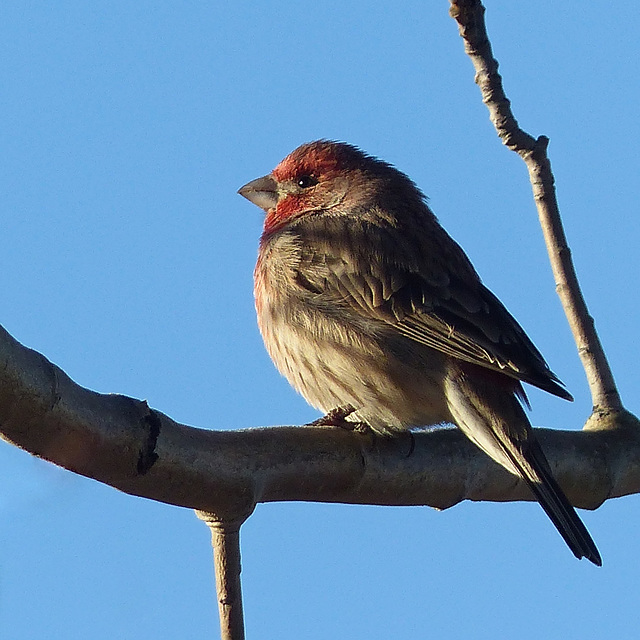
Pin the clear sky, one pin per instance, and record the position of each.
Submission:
(126, 258)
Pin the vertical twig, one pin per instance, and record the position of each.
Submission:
(469, 14)
(225, 540)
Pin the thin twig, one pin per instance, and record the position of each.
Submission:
(225, 540)
(469, 14)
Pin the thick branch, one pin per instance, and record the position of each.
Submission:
(469, 15)
(122, 442)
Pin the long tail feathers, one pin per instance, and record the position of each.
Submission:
(488, 412)
(537, 474)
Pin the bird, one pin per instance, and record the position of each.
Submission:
(378, 318)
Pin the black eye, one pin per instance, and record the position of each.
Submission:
(304, 182)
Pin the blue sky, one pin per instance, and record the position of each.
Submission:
(127, 256)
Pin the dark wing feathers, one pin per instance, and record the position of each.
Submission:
(410, 285)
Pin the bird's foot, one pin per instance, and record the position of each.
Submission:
(335, 418)
(338, 418)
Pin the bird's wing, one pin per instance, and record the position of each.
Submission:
(430, 294)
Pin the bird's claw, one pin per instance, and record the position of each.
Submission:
(338, 418)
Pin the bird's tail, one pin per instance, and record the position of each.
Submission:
(536, 473)
(489, 414)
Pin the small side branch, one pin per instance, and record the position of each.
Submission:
(225, 540)
(607, 405)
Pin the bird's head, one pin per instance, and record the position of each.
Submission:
(322, 176)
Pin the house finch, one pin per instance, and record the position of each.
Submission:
(374, 314)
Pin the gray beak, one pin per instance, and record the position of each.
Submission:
(263, 192)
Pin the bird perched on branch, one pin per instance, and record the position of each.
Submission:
(375, 315)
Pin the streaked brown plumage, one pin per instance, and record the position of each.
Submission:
(365, 302)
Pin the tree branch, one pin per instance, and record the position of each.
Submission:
(227, 472)
(225, 540)
(607, 406)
